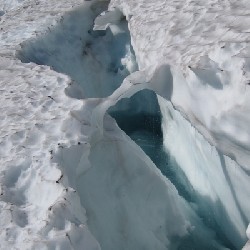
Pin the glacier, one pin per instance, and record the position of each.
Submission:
(124, 125)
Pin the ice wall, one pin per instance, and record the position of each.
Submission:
(219, 183)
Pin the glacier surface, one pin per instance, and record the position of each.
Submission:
(124, 125)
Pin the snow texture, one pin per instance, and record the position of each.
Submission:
(70, 178)
(247, 246)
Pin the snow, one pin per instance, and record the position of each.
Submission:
(8, 5)
(70, 177)
(199, 41)
(35, 210)
(79, 50)
(226, 194)
(247, 246)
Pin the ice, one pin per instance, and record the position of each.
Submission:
(175, 79)
(105, 19)
(248, 232)
(73, 48)
(214, 177)
(247, 246)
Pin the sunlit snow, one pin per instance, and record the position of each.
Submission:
(124, 125)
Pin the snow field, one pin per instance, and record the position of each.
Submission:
(66, 167)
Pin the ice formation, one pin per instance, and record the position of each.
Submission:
(124, 124)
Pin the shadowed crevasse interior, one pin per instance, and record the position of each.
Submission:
(140, 118)
(96, 61)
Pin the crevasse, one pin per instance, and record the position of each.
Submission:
(193, 200)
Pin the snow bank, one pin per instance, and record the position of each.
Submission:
(38, 211)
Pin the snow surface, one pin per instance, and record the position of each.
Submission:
(247, 246)
(37, 211)
(70, 177)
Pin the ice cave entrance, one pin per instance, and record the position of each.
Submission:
(140, 118)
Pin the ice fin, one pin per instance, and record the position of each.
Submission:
(106, 18)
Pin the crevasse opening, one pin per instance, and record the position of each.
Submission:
(97, 62)
(140, 118)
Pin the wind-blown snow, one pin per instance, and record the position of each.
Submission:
(70, 177)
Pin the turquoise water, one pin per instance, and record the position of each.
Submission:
(143, 125)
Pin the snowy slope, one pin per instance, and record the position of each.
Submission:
(37, 211)
(70, 178)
